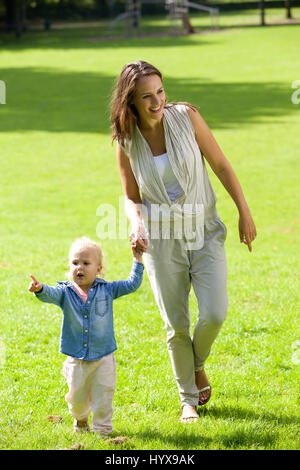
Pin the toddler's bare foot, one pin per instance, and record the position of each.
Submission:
(81, 426)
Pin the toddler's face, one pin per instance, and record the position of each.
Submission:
(84, 266)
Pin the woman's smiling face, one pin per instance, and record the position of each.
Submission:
(149, 99)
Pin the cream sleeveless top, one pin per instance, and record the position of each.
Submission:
(167, 175)
(197, 201)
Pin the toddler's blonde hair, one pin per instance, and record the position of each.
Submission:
(85, 242)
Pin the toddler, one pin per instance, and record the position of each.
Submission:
(87, 333)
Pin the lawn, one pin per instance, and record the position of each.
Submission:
(58, 166)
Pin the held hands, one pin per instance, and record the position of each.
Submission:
(137, 255)
(139, 242)
(138, 238)
(35, 285)
(247, 229)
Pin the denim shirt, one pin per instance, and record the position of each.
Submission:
(87, 328)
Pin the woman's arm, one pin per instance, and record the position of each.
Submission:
(133, 201)
(222, 168)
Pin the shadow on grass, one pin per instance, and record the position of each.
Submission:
(178, 439)
(101, 37)
(247, 414)
(60, 101)
(251, 430)
(185, 440)
(92, 38)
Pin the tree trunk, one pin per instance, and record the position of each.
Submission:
(9, 15)
(186, 23)
(18, 20)
(15, 16)
(288, 9)
(262, 12)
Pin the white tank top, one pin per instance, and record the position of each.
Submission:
(167, 175)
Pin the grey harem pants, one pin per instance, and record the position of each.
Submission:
(172, 270)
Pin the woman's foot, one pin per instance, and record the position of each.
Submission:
(188, 414)
(202, 384)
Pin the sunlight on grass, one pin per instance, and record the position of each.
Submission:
(58, 166)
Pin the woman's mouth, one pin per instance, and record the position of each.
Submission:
(157, 109)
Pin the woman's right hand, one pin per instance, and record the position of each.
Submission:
(138, 238)
(35, 285)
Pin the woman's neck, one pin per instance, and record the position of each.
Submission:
(150, 127)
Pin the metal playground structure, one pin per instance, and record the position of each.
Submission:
(177, 11)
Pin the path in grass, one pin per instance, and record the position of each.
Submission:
(57, 167)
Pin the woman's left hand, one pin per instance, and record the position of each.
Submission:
(247, 229)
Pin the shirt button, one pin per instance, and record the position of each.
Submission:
(88, 302)
(85, 316)
(85, 345)
(86, 331)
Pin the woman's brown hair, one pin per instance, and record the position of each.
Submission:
(123, 113)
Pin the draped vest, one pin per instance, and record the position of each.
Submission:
(196, 203)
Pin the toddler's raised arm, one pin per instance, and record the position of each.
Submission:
(35, 285)
(45, 293)
(131, 284)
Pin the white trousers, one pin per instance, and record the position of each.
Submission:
(91, 388)
(172, 270)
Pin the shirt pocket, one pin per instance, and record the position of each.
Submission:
(101, 306)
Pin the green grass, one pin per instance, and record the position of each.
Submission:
(58, 166)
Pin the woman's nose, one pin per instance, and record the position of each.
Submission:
(155, 101)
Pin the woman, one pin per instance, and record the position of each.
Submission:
(159, 154)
